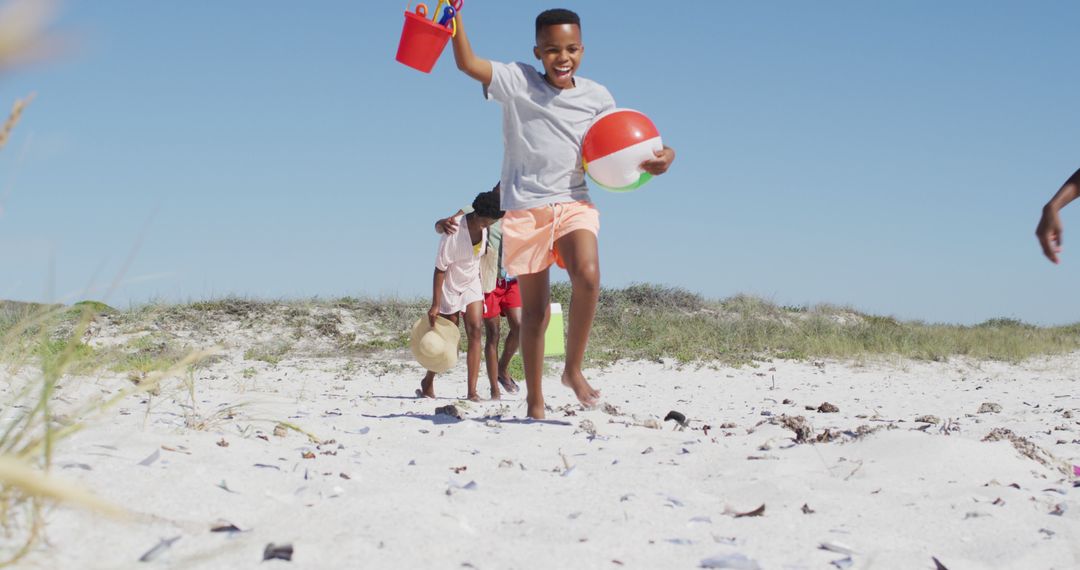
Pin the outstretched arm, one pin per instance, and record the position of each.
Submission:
(447, 225)
(1049, 229)
(476, 67)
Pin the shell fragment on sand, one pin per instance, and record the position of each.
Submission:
(226, 526)
(836, 547)
(760, 511)
(158, 549)
(843, 563)
(278, 551)
(150, 459)
(731, 561)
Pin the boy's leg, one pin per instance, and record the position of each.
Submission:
(579, 251)
(474, 327)
(513, 341)
(535, 311)
(491, 351)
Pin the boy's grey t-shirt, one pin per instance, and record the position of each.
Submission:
(542, 131)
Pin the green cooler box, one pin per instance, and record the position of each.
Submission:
(554, 337)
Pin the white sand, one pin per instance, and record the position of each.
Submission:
(633, 497)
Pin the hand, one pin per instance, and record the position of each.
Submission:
(660, 164)
(446, 226)
(433, 314)
(1049, 233)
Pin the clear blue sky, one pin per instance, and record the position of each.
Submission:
(891, 156)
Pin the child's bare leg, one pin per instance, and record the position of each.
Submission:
(535, 310)
(513, 340)
(427, 386)
(579, 251)
(491, 352)
(474, 327)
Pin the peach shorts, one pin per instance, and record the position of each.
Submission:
(529, 236)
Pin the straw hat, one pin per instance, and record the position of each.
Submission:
(435, 348)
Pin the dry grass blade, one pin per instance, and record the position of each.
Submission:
(152, 381)
(13, 118)
(312, 437)
(36, 483)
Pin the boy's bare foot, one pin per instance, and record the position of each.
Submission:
(508, 383)
(495, 395)
(473, 397)
(427, 389)
(586, 394)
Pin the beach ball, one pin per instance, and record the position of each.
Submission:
(614, 147)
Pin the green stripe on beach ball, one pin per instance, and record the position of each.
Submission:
(645, 177)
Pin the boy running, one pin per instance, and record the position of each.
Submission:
(549, 217)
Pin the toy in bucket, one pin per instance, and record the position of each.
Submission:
(423, 40)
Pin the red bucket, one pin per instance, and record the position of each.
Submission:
(422, 42)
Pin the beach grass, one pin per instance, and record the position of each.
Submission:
(640, 322)
(42, 345)
(653, 322)
(48, 335)
(271, 353)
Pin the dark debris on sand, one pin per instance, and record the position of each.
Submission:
(804, 432)
(448, 410)
(278, 551)
(827, 408)
(677, 417)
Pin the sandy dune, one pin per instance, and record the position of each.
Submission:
(391, 485)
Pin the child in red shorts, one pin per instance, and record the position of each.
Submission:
(504, 300)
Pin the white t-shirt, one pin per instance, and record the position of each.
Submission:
(460, 259)
(542, 131)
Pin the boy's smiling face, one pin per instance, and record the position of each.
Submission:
(559, 49)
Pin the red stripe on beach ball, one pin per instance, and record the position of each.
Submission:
(614, 131)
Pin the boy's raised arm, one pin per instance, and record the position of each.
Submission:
(476, 67)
